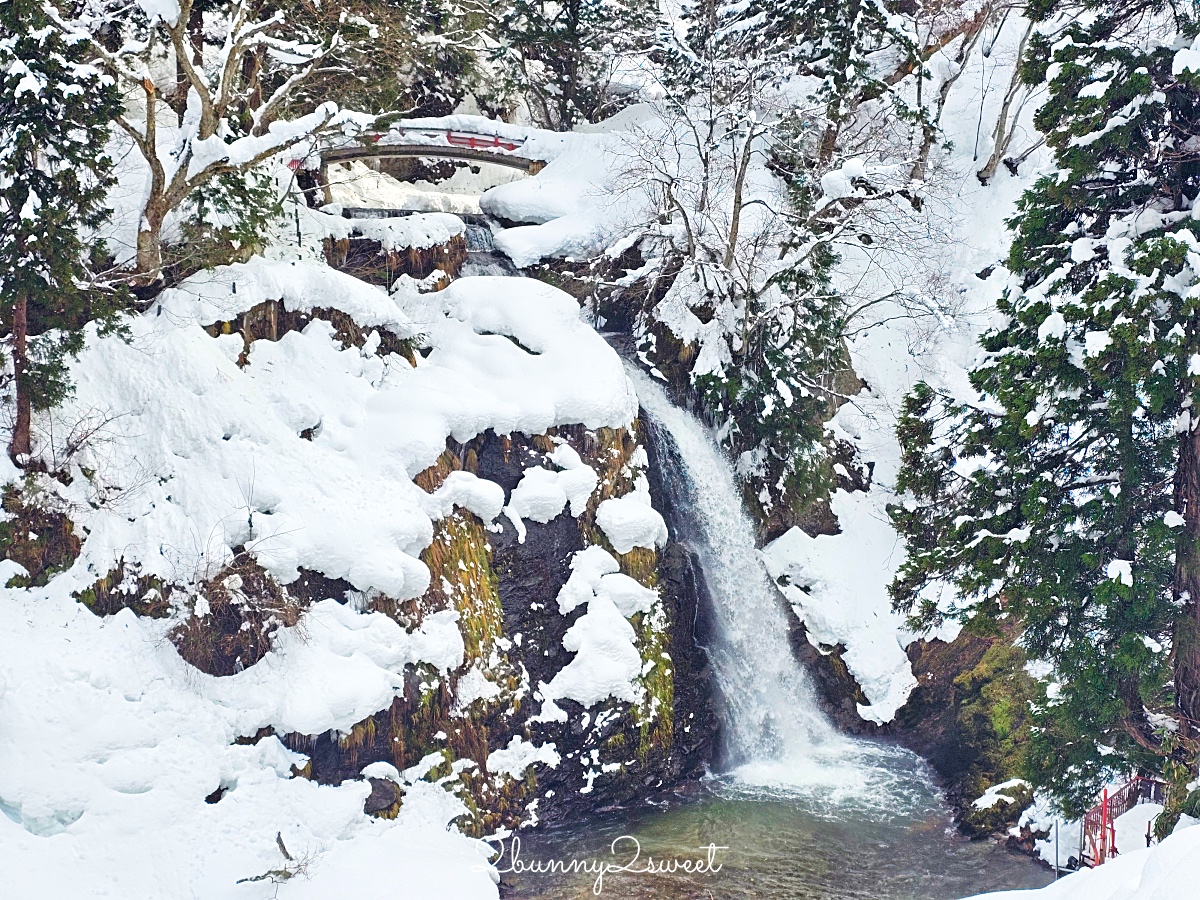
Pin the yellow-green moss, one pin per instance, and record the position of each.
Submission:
(461, 576)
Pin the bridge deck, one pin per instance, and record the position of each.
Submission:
(431, 151)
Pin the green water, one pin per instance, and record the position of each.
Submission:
(889, 837)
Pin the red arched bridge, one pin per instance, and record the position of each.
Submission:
(435, 144)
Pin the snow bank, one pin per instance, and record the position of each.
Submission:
(223, 293)
(110, 745)
(582, 202)
(356, 184)
(1166, 871)
(420, 230)
(333, 671)
(838, 588)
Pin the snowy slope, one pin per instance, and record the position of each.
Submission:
(838, 584)
(109, 742)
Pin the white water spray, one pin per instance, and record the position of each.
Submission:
(775, 734)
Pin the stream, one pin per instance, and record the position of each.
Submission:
(799, 809)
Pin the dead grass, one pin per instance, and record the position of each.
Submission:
(245, 607)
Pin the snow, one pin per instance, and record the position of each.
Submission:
(1165, 871)
(542, 494)
(518, 756)
(420, 230)
(995, 794)
(484, 498)
(1096, 342)
(336, 669)
(630, 521)
(225, 438)
(1063, 836)
(606, 662)
(1187, 59)
(842, 597)
(1054, 326)
(358, 185)
(1120, 570)
(111, 743)
(581, 203)
(223, 293)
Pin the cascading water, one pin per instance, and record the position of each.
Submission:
(482, 256)
(775, 733)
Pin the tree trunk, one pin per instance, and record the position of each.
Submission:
(1003, 134)
(739, 184)
(1186, 588)
(149, 243)
(20, 449)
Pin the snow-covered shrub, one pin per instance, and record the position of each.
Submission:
(234, 615)
(36, 536)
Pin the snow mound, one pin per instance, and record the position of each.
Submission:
(542, 494)
(223, 293)
(630, 521)
(519, 755)
(580, 204)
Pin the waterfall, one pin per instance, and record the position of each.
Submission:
(774, 732)
(482, 256)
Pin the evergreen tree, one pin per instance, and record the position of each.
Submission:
(779, 82)
(1067, 494)
(562, 55)
(54, 116)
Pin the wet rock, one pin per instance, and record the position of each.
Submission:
(384, 800)
(999, 815)
(968, 715)
(611, 754)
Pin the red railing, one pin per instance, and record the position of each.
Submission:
(1099, 829)
(481, 141)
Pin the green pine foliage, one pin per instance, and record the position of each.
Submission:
(397, 57)
(562, 57)
(55, 111)
(1050, 497)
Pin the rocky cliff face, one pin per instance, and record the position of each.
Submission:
(504, 589)
(512, 623)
